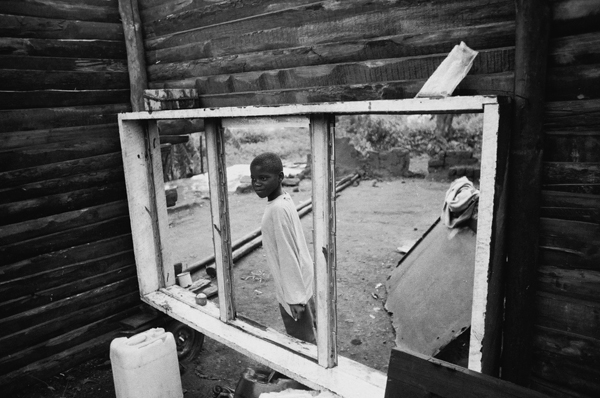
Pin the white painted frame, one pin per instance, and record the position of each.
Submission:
(318, 367)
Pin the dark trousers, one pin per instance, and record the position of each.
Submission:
(304, 328)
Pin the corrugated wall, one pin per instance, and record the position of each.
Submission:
(67, 272)
(270, 52)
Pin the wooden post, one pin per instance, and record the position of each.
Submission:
(323, 199)
(532, 36)
(219, 209)
(136, 63)
(147, 204)
(490, 256)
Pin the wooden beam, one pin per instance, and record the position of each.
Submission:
(66, 10)
(63, 48)
(323, 199)
(48, 28)
(81, 256)
(472, 104)
(289, 356)
(219, 209)
(55, 204)
(532, 37)
(147, 204)
(136, 63)
(490, 255)
(45, 118)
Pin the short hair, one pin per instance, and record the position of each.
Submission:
(271, 161)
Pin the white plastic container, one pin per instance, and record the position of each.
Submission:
(146, 366)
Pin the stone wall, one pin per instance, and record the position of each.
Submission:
(392, 163)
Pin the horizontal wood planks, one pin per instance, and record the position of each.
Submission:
(67, 273)
(566, 345)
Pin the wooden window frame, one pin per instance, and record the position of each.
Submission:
(317, 366)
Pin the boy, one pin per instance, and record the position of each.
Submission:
(287, 254)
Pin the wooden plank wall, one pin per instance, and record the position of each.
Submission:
(67, 273)
(566, 346)
(252, 52)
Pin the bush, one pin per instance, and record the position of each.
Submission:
(414, 133)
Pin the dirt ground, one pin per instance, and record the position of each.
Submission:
(374, 219)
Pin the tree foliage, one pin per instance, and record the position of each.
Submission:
(418, 134)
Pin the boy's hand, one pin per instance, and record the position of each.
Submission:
(297, 310)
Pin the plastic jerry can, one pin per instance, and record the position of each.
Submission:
(145, 365)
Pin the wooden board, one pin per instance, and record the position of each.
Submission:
(61, 185)
(32, 63)
(497, 84)
(61, 98)
(30, 284)
(67, 10)
(47, 28)
(147, 203)
(45, 206)
(568, 314)
(82, 256)
(579, 284)
(63, 48)
(570, 173)
(24, 80)
(44, 118)
(574, 115)
(136, 62)
(65, 239)
(31, 156)
(570, 206)
(570, 346)
(414, 375)
(490, 250)
(49, 312)
(407, 106)
(62, 169)
(570, 236)
(60, 222)
(349, 379)
(67, 290)
(219, 210)
(187, 61)
(322, 140)
(572, 146)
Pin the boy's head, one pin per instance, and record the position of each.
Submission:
(266, 172)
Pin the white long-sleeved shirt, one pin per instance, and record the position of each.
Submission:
(287, 254)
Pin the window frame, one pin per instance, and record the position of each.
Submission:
(318, 367)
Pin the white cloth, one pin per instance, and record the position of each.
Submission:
(287, 254)
(461, 200)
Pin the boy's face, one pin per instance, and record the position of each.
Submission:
(266, 183)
